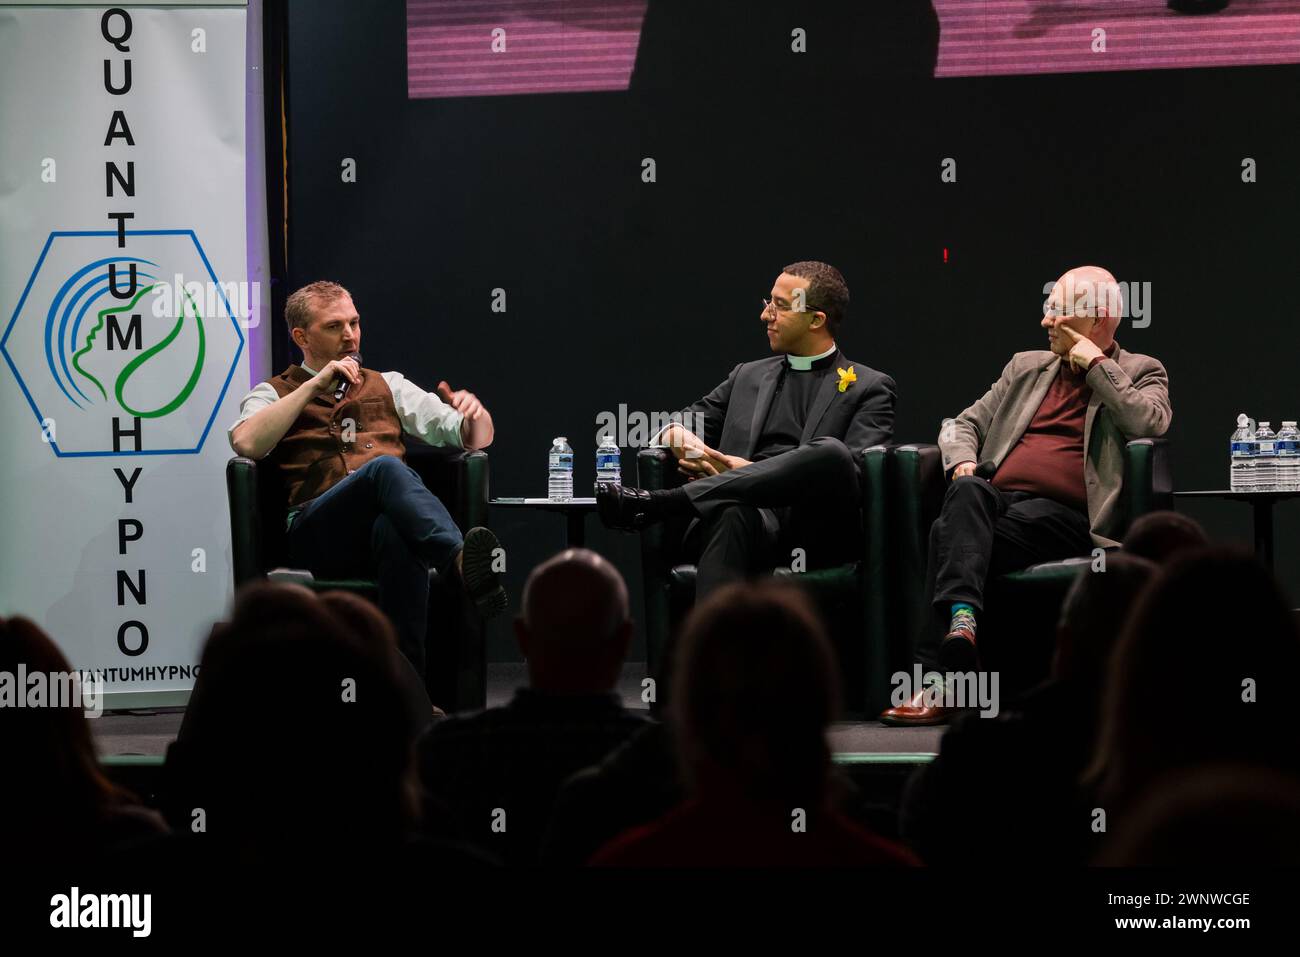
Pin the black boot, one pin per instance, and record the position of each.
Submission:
(630, 509)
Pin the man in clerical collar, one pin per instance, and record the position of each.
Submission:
(771, 458)
(356, 509)
(1037, 468)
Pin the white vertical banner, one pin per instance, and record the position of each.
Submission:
(124, 308)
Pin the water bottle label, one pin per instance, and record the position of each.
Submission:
(1240, 448)
(562, 460)
(1288, 447)
(607, 461)
(1265, 448)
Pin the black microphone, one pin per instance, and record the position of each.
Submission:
(341, 389)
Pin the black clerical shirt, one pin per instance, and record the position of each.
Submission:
(795, 392)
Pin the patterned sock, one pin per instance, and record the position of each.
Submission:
(963, 619)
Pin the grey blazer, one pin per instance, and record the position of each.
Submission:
(1130, 400)
(731, 417)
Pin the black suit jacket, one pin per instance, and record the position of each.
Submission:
(730, 418)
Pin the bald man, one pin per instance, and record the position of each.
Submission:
(575, 626)
(1036, 465)
(498, 771)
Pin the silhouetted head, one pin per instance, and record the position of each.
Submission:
(1094, 612)
(1161, 535)
(300, 730)
(575, 627)
(361, 617)
(755, 688)
(1201, 675)
(55, 790)
(1218, 816)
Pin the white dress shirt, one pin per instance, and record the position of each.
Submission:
(423, 414)
(804, 363)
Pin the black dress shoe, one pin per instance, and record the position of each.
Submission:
(625, 508)
(482, 582)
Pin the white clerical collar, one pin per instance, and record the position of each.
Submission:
(306, 368)
(804, 363)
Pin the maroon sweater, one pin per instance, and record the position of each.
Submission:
(1048, 459)
(727, 833)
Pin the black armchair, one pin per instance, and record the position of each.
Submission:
(258, 504)
(851, 596)
(1021, 607)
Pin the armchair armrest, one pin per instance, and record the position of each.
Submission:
(917, 488)
(874, 584)
(245, 519)
(1148, 478)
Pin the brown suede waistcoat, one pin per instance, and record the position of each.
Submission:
(320, 449)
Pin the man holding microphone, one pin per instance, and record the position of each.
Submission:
(334, 430)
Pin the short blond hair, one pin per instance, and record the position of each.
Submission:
(300, 307)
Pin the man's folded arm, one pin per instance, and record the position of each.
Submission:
(873, 422)
(1139, 407)
(264, 418)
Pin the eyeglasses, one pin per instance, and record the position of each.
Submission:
(771, 308)
(1053, 311)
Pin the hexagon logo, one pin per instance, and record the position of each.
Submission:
(123, 353)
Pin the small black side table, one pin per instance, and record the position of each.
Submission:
(1262, 504)
(575, 512)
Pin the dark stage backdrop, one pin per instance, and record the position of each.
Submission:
(621, 291)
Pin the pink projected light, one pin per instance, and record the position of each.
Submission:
(550, 46)
(986, 37)
(564, 46)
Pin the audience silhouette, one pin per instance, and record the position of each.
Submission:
(755, 690)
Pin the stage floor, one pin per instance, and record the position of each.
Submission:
(142, 732)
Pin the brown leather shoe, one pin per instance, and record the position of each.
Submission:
(916, 713)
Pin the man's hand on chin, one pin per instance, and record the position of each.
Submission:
(1083, 351)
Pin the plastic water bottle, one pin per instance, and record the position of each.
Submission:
(1266, 461)
(559, 485)
(608, 461)
(1288, 458)
(1241, 475)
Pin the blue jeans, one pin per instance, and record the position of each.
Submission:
(381, 522)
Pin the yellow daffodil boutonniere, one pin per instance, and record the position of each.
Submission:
(846, 377)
